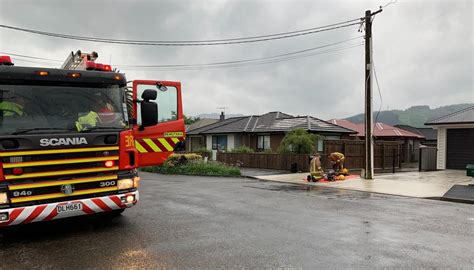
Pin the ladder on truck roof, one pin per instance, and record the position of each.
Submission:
(79, 60)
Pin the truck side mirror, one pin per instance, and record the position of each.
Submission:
(149, 109)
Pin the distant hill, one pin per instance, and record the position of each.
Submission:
(415, 116)
(216, 115)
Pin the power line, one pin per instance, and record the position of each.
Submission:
(31, 57)
(253, 63)
(240, 61)
(267, 60)
(188, 41)
(380, 93)
(388, 4)
(235, 63)
(241, 40)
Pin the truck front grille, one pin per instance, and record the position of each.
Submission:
(59, 174)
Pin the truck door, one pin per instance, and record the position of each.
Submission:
(155, 143)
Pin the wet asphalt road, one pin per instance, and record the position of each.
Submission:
(206, 222)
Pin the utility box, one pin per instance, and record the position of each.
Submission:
(427, 158)
(470, 170)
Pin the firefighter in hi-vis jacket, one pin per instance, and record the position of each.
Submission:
(337, 161)
(104, 113)
(12, 108)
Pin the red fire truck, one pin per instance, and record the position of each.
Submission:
(71, 139)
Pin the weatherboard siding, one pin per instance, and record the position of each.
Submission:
(441, 159)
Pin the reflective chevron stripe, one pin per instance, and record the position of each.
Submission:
(166, 144)
(153, 146)
(47, 212)
(157, 145)
(139, 147)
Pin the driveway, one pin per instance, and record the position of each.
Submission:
(433, 184)
(210, 222)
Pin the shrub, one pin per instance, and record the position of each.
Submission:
(196, 168)
(242, 150)
(298, 141)
(180, 159)
(204, 152)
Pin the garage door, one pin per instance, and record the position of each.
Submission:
(460, 148)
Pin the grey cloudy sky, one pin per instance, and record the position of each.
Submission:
(423, 50)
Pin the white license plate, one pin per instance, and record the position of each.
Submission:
(69, 207)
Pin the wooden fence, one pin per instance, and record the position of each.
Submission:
(265, 161)
(386, 156)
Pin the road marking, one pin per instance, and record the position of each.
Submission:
(471, 219)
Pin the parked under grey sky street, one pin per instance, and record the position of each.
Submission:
(423, 50)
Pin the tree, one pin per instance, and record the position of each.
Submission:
(298, 141)
(190, 120)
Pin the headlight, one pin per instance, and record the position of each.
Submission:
(4, 217)
(136, 181)
(3, 198)
(125, 184)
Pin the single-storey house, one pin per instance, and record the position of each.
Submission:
(195, 143)
(455, 139)
(410, 141)
(260, 132)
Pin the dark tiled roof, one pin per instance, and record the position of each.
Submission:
(428, 133)
(270, 122)
(201, 123)
(465, 116)
(305, 122)
(215, 125)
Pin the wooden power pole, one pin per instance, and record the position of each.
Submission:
(369, 125)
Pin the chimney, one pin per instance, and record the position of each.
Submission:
(222, 117)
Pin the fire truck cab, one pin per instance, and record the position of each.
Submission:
(72, 139)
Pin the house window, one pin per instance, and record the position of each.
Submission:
(332, 137)
(263, 142)
(219, 142)
(320, 145)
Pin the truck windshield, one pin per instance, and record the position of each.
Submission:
(58, 109)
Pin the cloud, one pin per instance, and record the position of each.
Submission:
(422, 50)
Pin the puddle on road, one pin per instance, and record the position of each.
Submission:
(329, 193)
